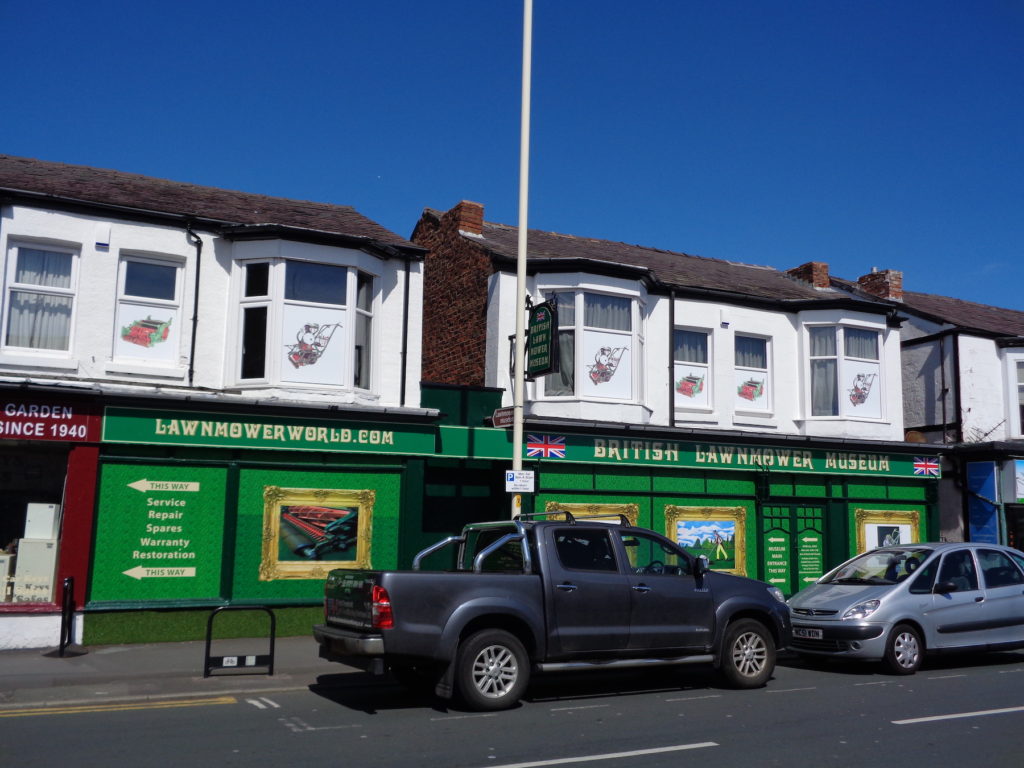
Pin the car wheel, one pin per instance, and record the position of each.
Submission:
(492, 670)
(748, 655)
(904, 650)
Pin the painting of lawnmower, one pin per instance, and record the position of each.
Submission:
(862, 388)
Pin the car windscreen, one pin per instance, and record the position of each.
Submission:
(880, 566)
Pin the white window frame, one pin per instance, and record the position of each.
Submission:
(1015, 390)
(275, 303)
(173, 306)
(12, 285)
(845, 368)
(579, 329)
(742, 372)
(683, 369)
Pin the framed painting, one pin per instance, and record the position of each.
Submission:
(886, 527)
(586, 509)
(720, 533)
(310, 531)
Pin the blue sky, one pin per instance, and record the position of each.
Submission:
(861, 133)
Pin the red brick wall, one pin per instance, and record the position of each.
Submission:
(455, 275)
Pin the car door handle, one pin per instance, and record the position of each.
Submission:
(566, 587)
(641, 588)
(979, 599)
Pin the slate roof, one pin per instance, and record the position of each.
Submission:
(129, 190)
(967, 314)
(680, 270)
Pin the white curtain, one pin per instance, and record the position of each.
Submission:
(859, 343)
(690, 347)
(40, 320)
(611, 312)
(824, 389)
(751, 352)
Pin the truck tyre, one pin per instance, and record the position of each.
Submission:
(903, 650)
(492, 670)
(748, 654)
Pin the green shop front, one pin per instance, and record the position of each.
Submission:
(784, 513)
(198, 509)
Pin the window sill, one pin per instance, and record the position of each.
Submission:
(33, 361)
(136, 369)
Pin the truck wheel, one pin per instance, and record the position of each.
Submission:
(903, 650)
(748, 654)
(491, 671)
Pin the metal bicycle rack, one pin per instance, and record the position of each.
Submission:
(252, 662)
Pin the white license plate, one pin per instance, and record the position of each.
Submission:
(808, 633)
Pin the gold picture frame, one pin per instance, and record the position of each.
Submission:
(582, 509)
(875, 526)
(301, 510)
(711, 531)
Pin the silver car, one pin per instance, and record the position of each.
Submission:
(896, 603)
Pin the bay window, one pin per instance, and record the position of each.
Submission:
(40, 299)
(845, 367)
(692, 374)
(752, 374)
(305, 323)
(598, 346)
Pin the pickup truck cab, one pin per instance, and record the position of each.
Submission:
(539, 595)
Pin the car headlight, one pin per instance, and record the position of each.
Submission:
(862, 610)
(777, 594)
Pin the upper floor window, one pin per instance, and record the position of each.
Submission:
(753, 377)
(40, 299)
(845, 371)
(692, 379)
(598, 346)
(306, 322)
(1020, 397)
(148, 309)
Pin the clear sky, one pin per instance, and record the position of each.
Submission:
(862, 133)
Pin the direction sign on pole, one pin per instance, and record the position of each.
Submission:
(503, 417)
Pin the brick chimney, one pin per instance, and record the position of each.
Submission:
(887, 284)
(470, 217)
(813, 272)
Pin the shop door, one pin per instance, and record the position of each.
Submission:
(792, 546)
(1015, 525)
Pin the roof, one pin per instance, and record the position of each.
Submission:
(672, 269)
(97, 186)
(967, 314)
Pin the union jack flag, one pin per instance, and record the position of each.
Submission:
(926, 466)
(545, 446)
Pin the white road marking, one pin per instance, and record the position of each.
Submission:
(263, 702)
(791, 690)
(608, 756)
(298, 725)
(958, 715)
(943, 677)
(1009, 671)
(461, 717)
(697, 698)
(256, 703)
(570, 709)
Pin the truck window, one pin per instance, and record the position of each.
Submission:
(508, 558)
(585, 550)
(651, 555)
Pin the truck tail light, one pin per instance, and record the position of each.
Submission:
(383, 618)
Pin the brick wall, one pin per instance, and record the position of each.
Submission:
(455, 275)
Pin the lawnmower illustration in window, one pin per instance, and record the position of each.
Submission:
(751, 389)
(310, 343)
(146, 332)
(606, 362)
(690, 385)
(862, 388)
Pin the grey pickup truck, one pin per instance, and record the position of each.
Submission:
(532, 595)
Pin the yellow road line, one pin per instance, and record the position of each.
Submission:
(83, 708)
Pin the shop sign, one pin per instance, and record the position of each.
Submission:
(671, 453)
(776, 558)
(159, 533)
(31, 418)
(542, 341)
(810, 557)
(282, 433)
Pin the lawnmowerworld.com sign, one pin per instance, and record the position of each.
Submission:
(232, 430)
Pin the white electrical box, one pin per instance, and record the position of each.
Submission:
(34, 570)
(42, 521)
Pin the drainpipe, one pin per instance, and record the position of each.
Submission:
(671, 354)
(197, 242)
(405, 336)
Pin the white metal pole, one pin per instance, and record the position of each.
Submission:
(519, 385)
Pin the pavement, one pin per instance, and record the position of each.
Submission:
(41, 677)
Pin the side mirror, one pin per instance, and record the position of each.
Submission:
(944, 587)
(701, 566)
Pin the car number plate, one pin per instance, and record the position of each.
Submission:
(808, 633)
